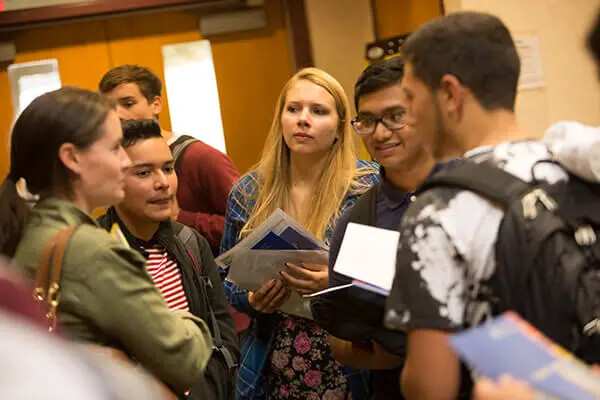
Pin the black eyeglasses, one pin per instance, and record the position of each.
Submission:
(367, 126)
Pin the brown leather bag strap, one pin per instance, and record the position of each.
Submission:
(43, 272)
(47, 286)
(59, 252)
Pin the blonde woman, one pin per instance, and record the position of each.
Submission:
(309, 169)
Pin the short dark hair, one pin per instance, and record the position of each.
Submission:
(135, 130)
(378, 76)
(593, 39)
(476, 48)
(149, 84)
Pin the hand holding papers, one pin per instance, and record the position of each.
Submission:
(261, 255)
(306, 278)
(368, 255)
(252, 268)
(508, 345)
(278, 232)
(270, 297)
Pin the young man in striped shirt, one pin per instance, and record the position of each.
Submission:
(180, 260)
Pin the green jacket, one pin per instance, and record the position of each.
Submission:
(108, 298)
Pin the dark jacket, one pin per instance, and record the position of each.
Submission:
(203, 290)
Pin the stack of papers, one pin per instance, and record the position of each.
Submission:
(508, 345)
(260, 256)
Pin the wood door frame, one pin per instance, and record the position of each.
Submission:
(26, 18)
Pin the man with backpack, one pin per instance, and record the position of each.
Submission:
(506, 229)
(353, 317)
(179, 259)
(205, 174)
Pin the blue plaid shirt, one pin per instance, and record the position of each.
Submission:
(257, 343)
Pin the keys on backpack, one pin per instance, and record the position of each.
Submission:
(530, 200)
(585, 235)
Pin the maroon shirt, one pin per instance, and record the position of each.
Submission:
(205, 178)
(16, 297)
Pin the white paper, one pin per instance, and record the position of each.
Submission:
(252, 268)
(532, 74)
(368, 254)
(191, 87)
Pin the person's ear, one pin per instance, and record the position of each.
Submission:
(156, 105)
(451, 96)
(70, 156)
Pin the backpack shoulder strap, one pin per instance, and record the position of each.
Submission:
(483, 178)
(187, 237)
(184, 237)
(179, 146)
(364, 210)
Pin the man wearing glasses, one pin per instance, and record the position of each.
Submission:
(354, 318)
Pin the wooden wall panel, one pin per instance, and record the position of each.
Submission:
(82, 54)
(138, 40)
(250, 67)
(397, 17)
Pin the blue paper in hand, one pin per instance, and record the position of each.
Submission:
(272, 242)
(508, 345)
(297, 240)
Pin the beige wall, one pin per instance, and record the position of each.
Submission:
(339, 30)
(572, 90)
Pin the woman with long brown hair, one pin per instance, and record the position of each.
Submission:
(66, 146)
(309, 169)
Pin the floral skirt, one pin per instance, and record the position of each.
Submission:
(301, 365)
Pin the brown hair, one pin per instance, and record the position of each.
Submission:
(147, 81)
(67, 115)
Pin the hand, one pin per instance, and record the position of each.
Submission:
(306, 278)
(269, 297)
(363, 355)
(506, 388)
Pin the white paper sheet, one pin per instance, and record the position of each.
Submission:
(252, 268)
(368, 254)
(532, 73)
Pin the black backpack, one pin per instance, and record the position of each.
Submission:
(179, 146)
(223, 387)
(547, 252)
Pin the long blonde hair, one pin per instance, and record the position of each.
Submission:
(273, 168)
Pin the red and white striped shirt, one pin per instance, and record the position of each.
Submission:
(163, 269)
